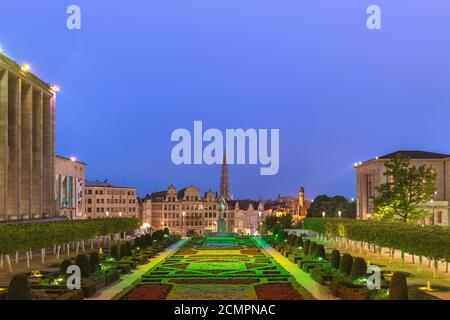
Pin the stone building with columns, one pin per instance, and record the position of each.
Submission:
(27, 144)
(369, 175)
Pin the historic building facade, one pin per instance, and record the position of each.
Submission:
(184, 212)
(188, 212)
(248, 216)
(102, 199)
(70, 179)
(369, 175)
(27, 144)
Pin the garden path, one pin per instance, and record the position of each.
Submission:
(318, 291)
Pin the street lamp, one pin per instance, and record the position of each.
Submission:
(339, 213)
(184, 227)
(323, 214)
(215, 226)
(120, 214)
(107, 213)
(259, 221)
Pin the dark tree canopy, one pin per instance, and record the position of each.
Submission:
(331, 206)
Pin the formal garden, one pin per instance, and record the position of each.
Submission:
(234, 268)
(99, 247)
(346, 275)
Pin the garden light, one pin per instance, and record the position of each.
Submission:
(26, 67)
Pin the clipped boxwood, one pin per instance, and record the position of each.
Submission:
(114, 252)
(306, 245)
(345, 266)
(64, 265)
(335, 259)
(94, 260)
(359, 268)
(398, 288)
(312, 248)
(82, 262)
(122, 250)
(320, 251)
(298, 242)
(19, 288)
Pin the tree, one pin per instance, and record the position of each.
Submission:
(331, 206)
(270, 223)
(407, 186)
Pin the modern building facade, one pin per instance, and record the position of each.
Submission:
(370, 175)
(70, 180)
(102, 199)
(27, 144)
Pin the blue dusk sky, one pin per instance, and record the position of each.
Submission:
(338, 92)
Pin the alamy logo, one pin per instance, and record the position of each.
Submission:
(260, 149)
(74, 280)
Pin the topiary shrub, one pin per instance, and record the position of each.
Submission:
(293, 240)
(320, 251)
(122, 251)
(82, 262)
(312, 249)
(398, 288)
(345, 266)
(19, 288)
(306, 245)
(128, 248)
(64, 265)
(359, 268)
(299, 242)
(114, 252)
(148, 239)
(94, 260)
(335, 259)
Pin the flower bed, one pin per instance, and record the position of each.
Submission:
(149, 292)
(277, 291)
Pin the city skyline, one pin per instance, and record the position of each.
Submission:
(230, 75)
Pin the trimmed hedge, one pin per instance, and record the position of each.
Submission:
(335, 259)
(359, 268)
(82, 262)
(114, 252)
(306, 245)
(19, 288)
(26, 236)
(428, 241)
(312, 248)
(398, 289)
(319, 252)
(345, 266)
(94, 260)
(299, 242)
(64, 265)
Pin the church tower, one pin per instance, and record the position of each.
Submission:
(225, 180)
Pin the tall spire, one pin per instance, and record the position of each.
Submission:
(225, 179)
